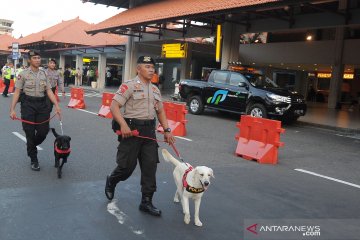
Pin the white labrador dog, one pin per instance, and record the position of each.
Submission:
(190, 183)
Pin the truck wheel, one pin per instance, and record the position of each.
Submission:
(257, 110)
(196, 105)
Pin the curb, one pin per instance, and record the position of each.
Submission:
(328, 127)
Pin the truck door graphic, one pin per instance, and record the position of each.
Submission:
(219, 96)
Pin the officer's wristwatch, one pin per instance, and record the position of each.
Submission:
(167, 130)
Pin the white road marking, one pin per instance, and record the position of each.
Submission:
(329, 178)
(86, 111)
(113, 209)
(349, 136)
(186, 139)
(24, 139)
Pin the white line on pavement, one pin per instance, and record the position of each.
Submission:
(86, 111)
(186, 139)
(113, 209)
(24, 139)
(351, 136)
(329, 178)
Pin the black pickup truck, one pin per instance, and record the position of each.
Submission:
(244, 93)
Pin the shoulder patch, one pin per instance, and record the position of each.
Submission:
(123, 89)
(155, 90)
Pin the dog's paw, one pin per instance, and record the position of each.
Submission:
(187, 218)
(198, 223)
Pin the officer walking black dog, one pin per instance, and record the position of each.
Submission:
(32, 86)
(142, 103)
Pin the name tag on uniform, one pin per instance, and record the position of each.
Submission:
(140, 90)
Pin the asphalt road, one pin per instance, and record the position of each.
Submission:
(37, 205)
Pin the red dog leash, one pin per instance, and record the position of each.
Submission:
(34, 123)
(136, 133)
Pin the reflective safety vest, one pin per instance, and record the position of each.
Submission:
(7, 74)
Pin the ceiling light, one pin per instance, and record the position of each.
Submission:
(253, 63)
(282, 64)
(299, 66)
(315, 64)
(309, 37)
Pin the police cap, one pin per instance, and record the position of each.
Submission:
(33, 53)
(145, 60)
(52, 60)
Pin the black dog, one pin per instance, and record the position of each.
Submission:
(61, 150)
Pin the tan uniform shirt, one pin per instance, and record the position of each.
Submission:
(140, 100)
(32, 83)
(55, 79)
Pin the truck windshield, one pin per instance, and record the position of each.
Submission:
(260, 81)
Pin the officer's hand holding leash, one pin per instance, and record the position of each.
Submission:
(58, 110)
(12, 114)
(126, 131)
(169, 138)
(54, 101)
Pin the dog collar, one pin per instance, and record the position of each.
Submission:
(186, 184)
(62, 151)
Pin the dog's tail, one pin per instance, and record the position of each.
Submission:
(54, 132)
(169, 158)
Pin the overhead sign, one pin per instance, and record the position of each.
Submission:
(15, 51)
(324, 75)
(15, 47)
(174, 50)
(328, 75)
(348, 76)
(15, 55)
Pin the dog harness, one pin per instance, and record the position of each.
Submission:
(62, 151)
(186, 184)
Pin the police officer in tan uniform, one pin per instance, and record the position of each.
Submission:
(56, 80)
(32, 86)
(142, 102)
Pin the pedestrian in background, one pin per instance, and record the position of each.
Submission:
(54, 77)
(8, 74)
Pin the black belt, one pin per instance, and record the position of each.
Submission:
(34, 99)
(139, 122)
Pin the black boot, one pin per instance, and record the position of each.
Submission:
(35, 164)
(109, 189)
(147, 206)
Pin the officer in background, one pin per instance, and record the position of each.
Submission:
(54, 77)
(8, 75)
(33, 86)
(142, 102)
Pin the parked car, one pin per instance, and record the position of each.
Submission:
(244, 93)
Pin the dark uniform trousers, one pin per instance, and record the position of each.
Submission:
(7, 84)
(35, 109)
(133, 148)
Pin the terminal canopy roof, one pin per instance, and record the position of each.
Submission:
(250, 15)
(68, 34)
